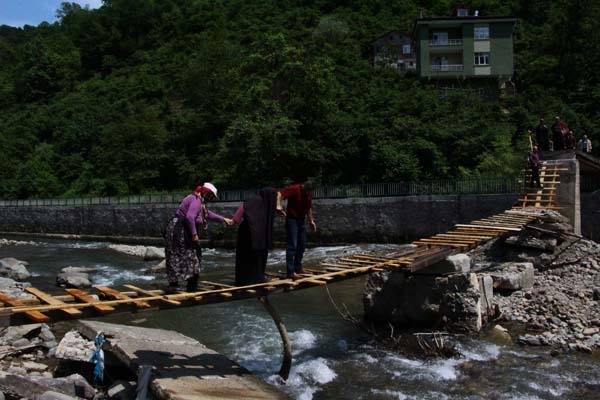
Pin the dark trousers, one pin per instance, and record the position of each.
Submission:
(295, 230)
(535, 175)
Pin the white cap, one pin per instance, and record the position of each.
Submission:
(211, 187)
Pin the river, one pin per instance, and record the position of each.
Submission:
(332, 358)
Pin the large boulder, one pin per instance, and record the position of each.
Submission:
(14, 289)
(33, 386)
(73, 280)
(457, 302)
(514, 276)
(455, 264)
(74, 347)
(154, 253)
(137, 251)
(14, 269)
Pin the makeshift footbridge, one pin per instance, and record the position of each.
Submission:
(77, 304)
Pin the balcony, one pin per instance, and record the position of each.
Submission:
(446, 42)
(447, 68)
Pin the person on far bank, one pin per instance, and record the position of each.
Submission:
(182, 243)
(534, 165)
(584, 145)
(541, 135)
(299, 205)
(559, 132)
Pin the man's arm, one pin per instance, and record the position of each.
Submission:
(278, 206)
(311, 220)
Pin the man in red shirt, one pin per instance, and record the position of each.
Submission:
(299, 197)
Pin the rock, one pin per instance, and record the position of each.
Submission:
(21, 343)
(33, 366)
(17, 370)
(73, 280)
(458, 263)
(514, 276)
(137, 251)
(530, 242)
(33, 386)
(530, 340)
(500, 334)
(591, 331)
(74, 347)
(50, 395)
(46, 334)
(154, 253)
(122, 390)
(159, 268)
(13, 333)
(14, 269)
(80, 270)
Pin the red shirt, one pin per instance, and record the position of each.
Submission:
(299, 202)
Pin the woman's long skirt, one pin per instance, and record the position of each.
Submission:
(250, 264)
(184, 259)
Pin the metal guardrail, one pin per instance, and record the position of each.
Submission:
(419, 188)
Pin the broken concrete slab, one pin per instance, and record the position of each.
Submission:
(514, 276)
(32, 386)
(458, 263)
(184, 368)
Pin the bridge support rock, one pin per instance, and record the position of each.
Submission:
(458, 302)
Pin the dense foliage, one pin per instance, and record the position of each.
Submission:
(158, 95)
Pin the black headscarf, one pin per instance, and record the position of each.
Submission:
(259, 213)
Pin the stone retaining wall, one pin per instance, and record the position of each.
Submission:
(383, 219)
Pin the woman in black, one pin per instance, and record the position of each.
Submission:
(255, 236)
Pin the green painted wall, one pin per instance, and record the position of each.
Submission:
(502, 49)
(468, 53)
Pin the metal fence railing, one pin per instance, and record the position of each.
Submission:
(432, 187)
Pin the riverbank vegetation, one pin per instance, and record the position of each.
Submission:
(147, 95)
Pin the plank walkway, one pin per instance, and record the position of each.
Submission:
(78, 304)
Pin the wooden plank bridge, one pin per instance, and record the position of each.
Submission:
(77, 304)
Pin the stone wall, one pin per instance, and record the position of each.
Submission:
(590, 215)
(384, 219)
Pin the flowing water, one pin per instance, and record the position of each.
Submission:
(332, 358)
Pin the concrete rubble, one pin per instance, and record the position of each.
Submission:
(544, 280)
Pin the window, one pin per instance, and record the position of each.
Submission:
(406, 49)
(462, 12)
(482, 32)
(482, 58)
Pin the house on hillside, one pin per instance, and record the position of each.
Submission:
(466, 51)
(395, 50)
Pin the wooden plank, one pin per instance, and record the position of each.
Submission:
(147, 293)
(374, 258)
(358, 261)
(450, 240)
(315, 282)
(489, 227)
(86, 298)
(217, 284)
(48, 299)
(36, 316)
(461, 235)
(439, 244)
(120, 296)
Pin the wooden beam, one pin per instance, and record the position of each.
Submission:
(120, 296)
(147, 293)
(35, 315)
(489, 227)
(48, 299)
(86, 298)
